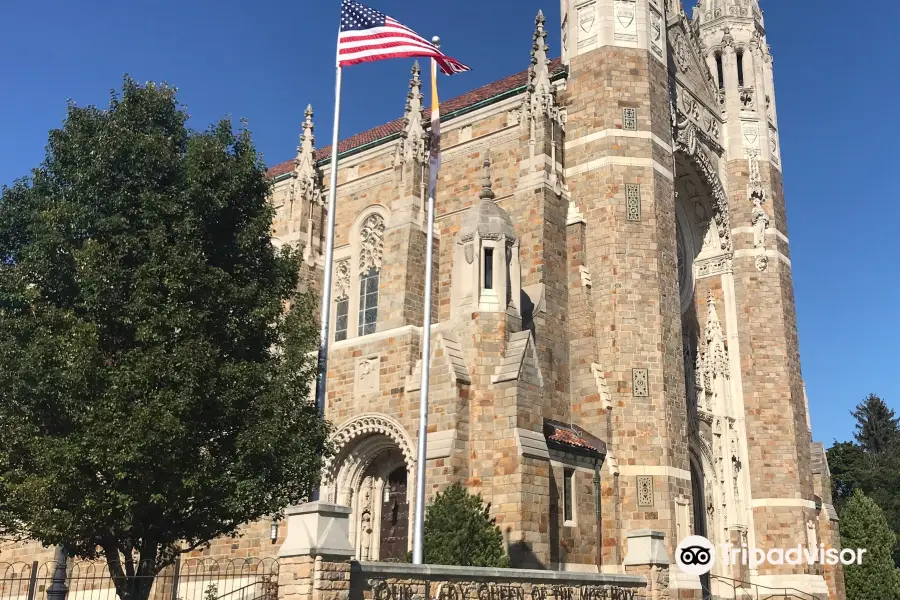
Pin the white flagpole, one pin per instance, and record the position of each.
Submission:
(329, 261)
(419, 525)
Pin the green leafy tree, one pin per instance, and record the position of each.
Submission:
(459, 530)
(863, 525)
(851, 469)
(872, 464)
(153, 390)
(877, 427)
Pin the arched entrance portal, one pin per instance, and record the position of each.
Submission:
(703, 245)
(370, 473)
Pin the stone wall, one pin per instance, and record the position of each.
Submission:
(385, 581)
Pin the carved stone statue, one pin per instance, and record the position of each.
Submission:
(365, 523)
(760, 221)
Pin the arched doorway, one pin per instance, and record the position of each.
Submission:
(370, 473)
(395, 518)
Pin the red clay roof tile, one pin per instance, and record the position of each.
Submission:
(460, 102)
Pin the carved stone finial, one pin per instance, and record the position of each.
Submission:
(540, 98)
(412, 143)
(487, 192)
(306, 175)
(717, 354)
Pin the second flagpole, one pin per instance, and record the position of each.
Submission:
(321, 388)
(419, 521)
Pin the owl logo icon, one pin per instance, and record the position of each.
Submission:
(695, 555)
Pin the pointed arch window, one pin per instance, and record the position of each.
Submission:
(720, 70)
(342, 300)
(368, 301)
(371, 254)
(740, 67)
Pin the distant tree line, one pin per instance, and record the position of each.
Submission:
(865, 478)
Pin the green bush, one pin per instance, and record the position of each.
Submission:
(459, 531)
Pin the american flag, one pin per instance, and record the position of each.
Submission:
(368, 35)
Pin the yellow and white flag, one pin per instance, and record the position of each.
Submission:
(434, 160)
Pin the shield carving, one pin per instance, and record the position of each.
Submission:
(656, 28)
(751, 134)
(470, 253)
(625, 14)
(586, 19)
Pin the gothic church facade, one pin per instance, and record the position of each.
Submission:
(614, 342)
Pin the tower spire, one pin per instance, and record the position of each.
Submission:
(540, 97)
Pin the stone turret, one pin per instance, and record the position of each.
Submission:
(710, 10)
(486, 257)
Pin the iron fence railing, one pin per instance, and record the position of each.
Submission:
(753, 591)
(190, 579)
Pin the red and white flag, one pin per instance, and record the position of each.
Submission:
(368, 35)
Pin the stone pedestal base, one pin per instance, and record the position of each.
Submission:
(317, 529)
(315, 557)
(646, 555)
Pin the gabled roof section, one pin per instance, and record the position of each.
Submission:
(572, 438)
(484, 95)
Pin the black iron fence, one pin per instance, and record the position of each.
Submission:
(752, 591)
(189, 579)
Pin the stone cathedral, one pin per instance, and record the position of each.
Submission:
(614, 345)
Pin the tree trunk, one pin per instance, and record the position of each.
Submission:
(131, 583)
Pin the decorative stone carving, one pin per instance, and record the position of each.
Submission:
(342, 279)
(413, 147)
(368, 376)
(656, 31)
(307, 178)
(371, 240)
(727, 39)
(625, 12)
(540, 95)
(773, 144)
(686, 137)
(361, 426)
(587, 34)
(365, 520)
(645, 490)
(715, 342)
(747, 99)
(632, 202)
(713, 266)
(750, 131)
(640, 383)
(759, 220)
(682, 54)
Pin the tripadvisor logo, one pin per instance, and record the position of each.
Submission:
(695, 555)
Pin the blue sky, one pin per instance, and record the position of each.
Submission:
(836, 87)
